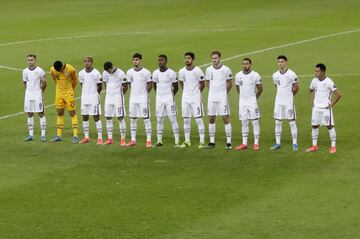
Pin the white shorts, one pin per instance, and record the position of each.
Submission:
(115, 110)
(90, 109)
(218, 108)
(192, 109)
(249, 112)
(139, 110)
(282, 112)
(33, 106)
(165, 109)
(323, 117)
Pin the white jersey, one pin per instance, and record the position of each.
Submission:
(218, 78)
(138, 80)
(323, 91)
(89, 81)
(284, 83)
(114, 82)
(33, 79)
(247, 84)
(191, 80)
(164, 81)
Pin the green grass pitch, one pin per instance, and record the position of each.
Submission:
(61, 190)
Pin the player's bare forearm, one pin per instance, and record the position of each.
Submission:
(336, 97)
(238, 89)
(311, 97)
(154, 86)
(295, 89)
(43, 85)
(228, 86)
(259, 90)
(149, 86)
(124, 87)
(25, 85)
(181, 84)
(99, 88)
(175, 87)
(207, 83)
(202, 85)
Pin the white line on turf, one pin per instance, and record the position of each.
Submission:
(225, 59)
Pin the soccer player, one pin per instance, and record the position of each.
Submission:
(166, 86)
(322, 112)
(35, 85)
(287, 85)
(65, 78)
(249, 86)
(139, 106)
(219, 82)
(192, 81)
(91, 82)
(116, 86)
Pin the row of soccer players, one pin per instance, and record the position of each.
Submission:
(165, 81)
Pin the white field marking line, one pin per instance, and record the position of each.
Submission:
(134, 33)
(231, 58)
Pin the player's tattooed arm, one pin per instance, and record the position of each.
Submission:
(259, 90)
(175, 87)
(228, 85)
(149, 86)
(336, 97)
(202, 85)
(295, 88)
(124, 87)
(99, 87)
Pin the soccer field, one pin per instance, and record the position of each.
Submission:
(62, 190)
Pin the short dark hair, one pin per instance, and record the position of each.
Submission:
(137, 55)
(247, 59)
(282, 57)
(215, 53)
(58, 65)
(31, 55)
(321, 66)
(163, 56)
(191, 54)
(108, 65)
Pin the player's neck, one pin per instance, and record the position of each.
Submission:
(247, 71)
(322, 78)
(190, 67)
(163, 69)
(137, 68)
(217, 66)
(32, 67)
(283, 71)
(89, 69)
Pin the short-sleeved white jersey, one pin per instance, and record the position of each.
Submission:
(191, 80)
(89, 81)
(284, 83)
(114, 84)
(33, 79)
(247, 83)
(164, 81)
(218, 78)
(138, 80)
(323, 90)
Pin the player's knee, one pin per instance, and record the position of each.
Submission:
(85, 117)
(96, 118)
(330, 127)
(72, 113)
(41, 114)
(120, 118)
(315, 126)
(60, 112)
(226, 119)
(30, 114)
(212, 119)
(108, 118)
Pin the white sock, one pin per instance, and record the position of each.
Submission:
(187, 129)
(278, 130)
(293, 129)
(160, 128)
(315, 136)
(332, 134)
(201, 128)
(256, 129)
(122, 127)
(43, 125)
(133, 128)
(86, 129)
(109, 128)
(148, 129)
(228, 133)
(30, 123)
(99, 129)
(175, 128)
(212, 131)
(245, 131)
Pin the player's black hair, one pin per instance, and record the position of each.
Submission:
(321, 66)
(163, 56)
(58, 65)
(282, 57)
(215, 53)
(31, 55)
(247, 59)
(191, 54)
(137, 55)
(108, 65)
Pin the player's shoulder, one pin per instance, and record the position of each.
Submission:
(156, 71)
(276, 73)
(52, 70)
(182, 69)
(82, 71)
(171, 71)
(69, 67)
(256, 74)
(239, 74)
(225, 68)
(146, 71)
(291, 72)
(119, 71)
(96, 71)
